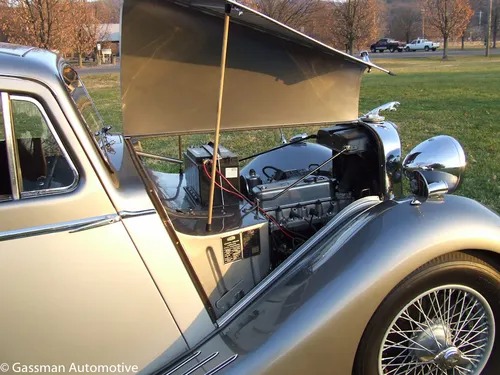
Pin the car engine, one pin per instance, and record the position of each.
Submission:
(302, 185)
(298, 187)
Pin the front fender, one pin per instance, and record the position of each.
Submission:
(311, 320)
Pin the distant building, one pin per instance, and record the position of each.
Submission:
(112, 38)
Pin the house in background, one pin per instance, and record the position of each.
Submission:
(112, 37)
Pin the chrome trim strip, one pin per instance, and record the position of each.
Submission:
(221, 365)
(11, 147)
(362, 204)
(76, 177)
(196, 354)
(71, 226)
(126, 214)
(197, 366)
(99, 223)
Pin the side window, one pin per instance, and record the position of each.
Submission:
(44, 167)
(5, 187)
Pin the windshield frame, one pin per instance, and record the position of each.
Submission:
(75, 85)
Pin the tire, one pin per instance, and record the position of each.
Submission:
(475, 284)
(392, 50)
(434, 50)
(381, 50)
(374, 50)
(426, 48)
(407, 49)
(400, 50)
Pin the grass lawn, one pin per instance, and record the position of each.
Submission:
(459, 97)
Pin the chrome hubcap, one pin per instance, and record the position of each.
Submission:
(448, 330)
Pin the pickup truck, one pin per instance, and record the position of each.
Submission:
(387, 44)
(421, 45)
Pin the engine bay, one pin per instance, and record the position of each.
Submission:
(266, 205)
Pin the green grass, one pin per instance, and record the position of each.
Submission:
(459, 97)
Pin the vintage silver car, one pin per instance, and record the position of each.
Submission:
(303, 259)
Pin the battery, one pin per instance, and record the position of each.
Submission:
(198, 183)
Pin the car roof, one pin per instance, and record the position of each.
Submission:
(30, 62)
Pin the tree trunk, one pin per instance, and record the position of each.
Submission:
(445, 48)
(350, 44)
(463, 42)
(80, 60)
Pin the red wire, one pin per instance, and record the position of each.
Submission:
(269, 217)
(219, 186)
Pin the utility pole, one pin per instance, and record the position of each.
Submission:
(488, 32)
(480, 16)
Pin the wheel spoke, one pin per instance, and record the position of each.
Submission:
(429, 324)
(399, 366)
(437, 309)
(475, 348)
(461, 309)
(437, 320)
(463, 368)
(459, 371)
(447, 312)
(466, 320)
(411, 340)
(463, 341)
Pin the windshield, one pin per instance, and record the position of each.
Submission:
(86, 107)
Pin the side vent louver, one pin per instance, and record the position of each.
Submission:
(178, 369)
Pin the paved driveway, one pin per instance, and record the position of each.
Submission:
(103, 69)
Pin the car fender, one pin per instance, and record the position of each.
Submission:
(313, 318)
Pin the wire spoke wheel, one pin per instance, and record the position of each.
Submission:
(448, 330)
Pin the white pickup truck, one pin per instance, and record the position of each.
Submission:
(421, 45)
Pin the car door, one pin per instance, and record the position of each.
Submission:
(74, 290)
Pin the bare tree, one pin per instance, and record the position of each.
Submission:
(110, 9)
(449, 17)
(40, 23)
(293, 13)
(4, 16)
(405, 21)
(354, 23)
(90, 28)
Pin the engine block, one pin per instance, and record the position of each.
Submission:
(311, 201)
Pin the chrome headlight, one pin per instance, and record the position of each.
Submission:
(435, 166)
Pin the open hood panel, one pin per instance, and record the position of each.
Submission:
(171, 67)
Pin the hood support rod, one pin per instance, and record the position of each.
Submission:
(227, 11)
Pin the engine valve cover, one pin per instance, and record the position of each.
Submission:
(312, 189)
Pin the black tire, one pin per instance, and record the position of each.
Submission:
(374, 50)
(456, 268)
(392, 50)
(407, 49)
(400, 50)
(433, 50)
(381, 50)
(426, 48)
